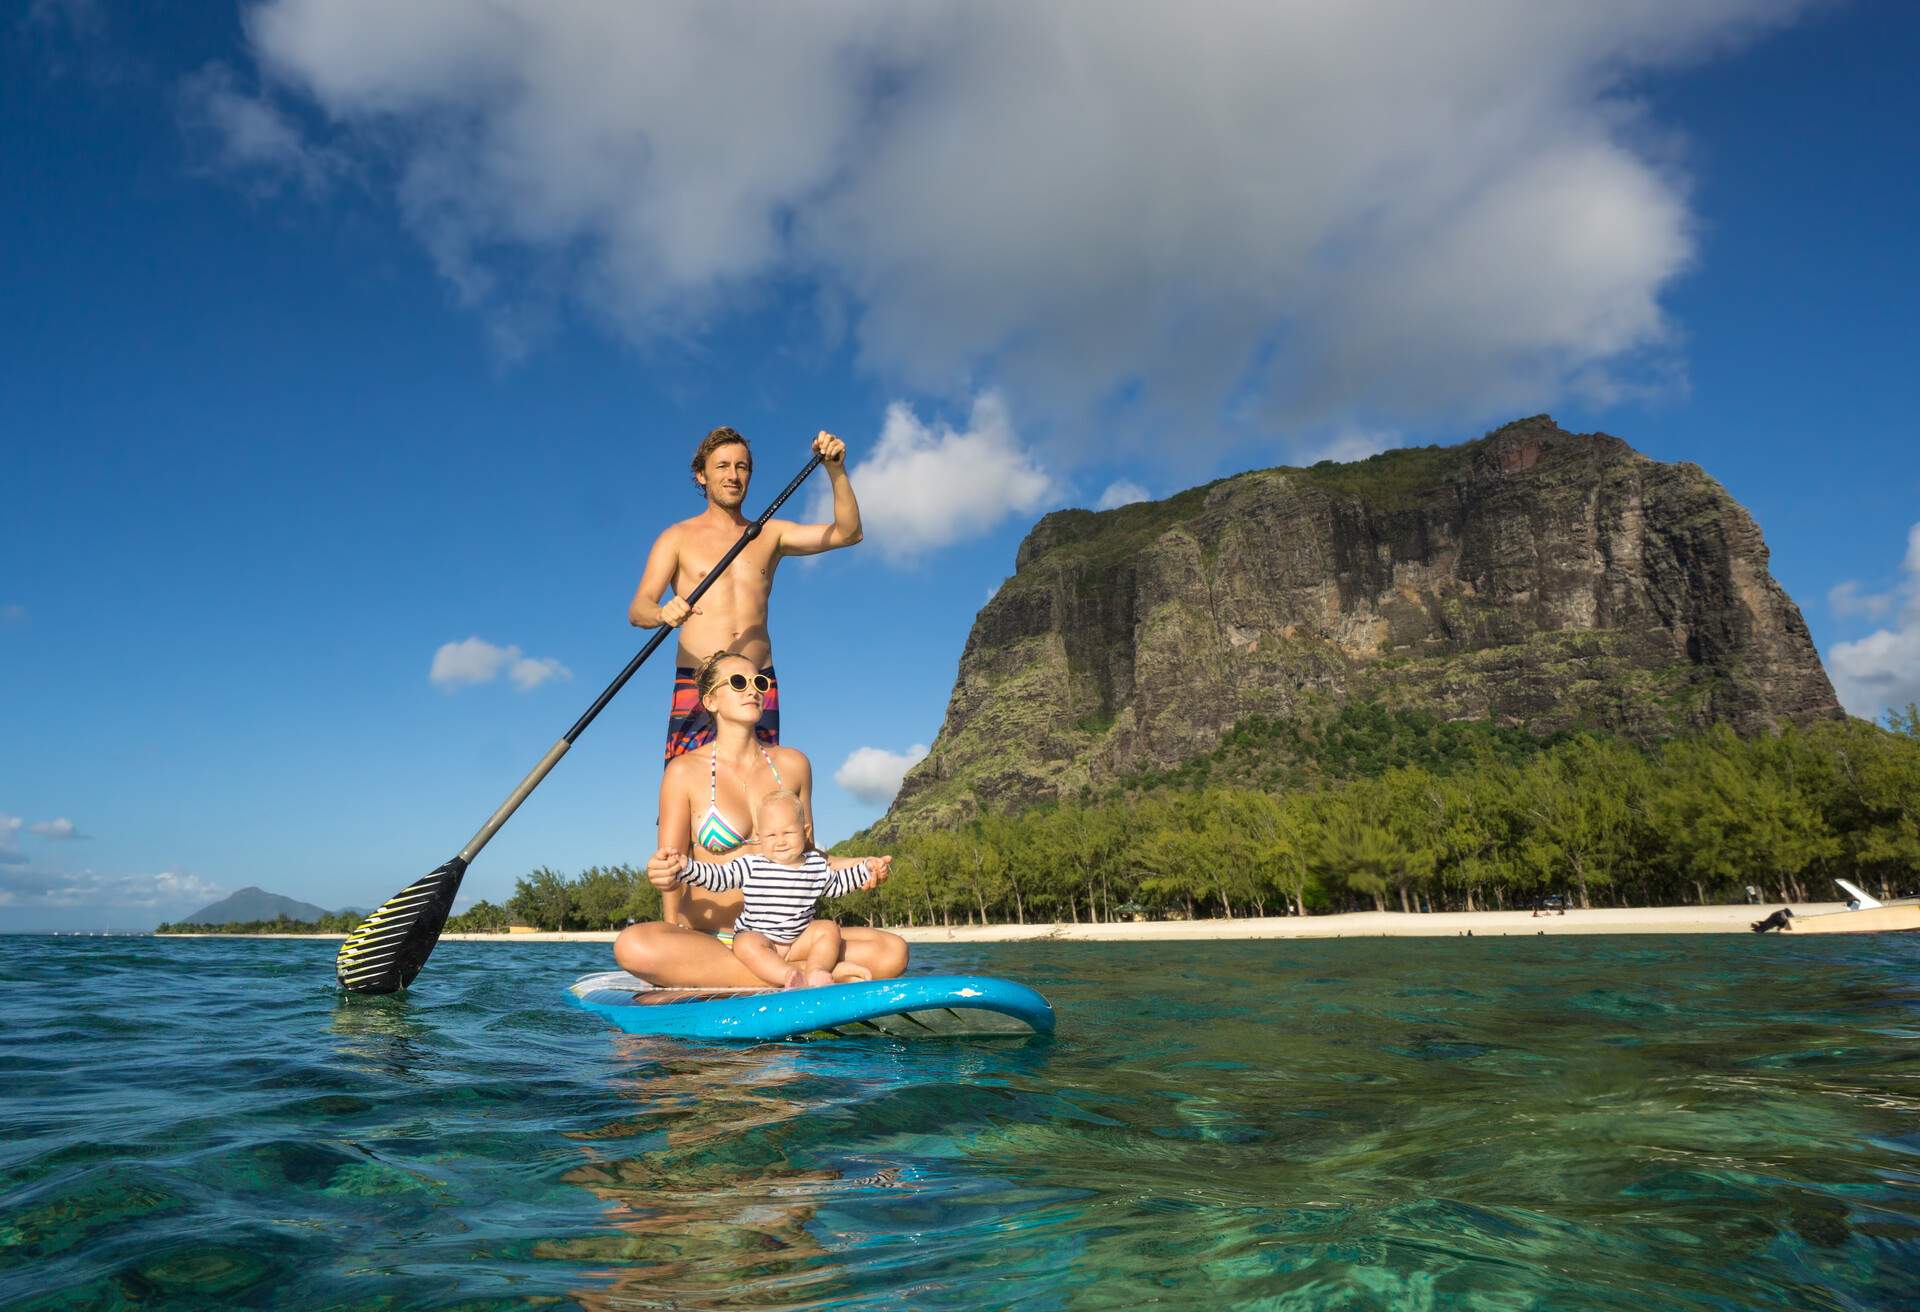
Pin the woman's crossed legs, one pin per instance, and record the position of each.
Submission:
(676, 957)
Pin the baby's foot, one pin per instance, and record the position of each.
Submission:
(815, 978)
(796, 979)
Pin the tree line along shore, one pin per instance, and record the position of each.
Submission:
(1371, 809)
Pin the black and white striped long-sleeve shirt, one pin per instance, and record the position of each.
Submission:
(779, 898)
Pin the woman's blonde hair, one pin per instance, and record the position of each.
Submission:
(707, 677)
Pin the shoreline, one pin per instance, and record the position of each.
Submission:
(1731, 918)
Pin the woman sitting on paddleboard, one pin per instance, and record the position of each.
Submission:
(705, 812)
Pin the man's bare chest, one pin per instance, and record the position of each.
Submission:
(751, 571)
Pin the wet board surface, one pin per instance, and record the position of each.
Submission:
(912, 1007)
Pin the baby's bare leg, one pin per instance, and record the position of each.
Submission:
(817, 951)
(763, 957)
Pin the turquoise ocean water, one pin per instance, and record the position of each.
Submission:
(1624, 1123)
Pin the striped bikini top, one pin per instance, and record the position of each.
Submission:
(713, 832)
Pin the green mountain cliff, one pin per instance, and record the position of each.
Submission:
(1536, 578)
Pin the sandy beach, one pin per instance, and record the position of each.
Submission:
(1729, 919)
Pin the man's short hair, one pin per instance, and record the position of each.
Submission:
(712, 442)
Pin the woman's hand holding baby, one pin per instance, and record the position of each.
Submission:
(878, 868)
(664, 868)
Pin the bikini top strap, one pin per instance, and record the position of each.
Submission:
(713, 774)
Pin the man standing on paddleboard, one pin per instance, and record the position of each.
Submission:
(732, 615)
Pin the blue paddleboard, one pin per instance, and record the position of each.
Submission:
(914, 1006)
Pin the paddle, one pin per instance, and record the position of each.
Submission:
(390, 946)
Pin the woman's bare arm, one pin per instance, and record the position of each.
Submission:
(676, 828)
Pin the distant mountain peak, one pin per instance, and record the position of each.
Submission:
(252, 903)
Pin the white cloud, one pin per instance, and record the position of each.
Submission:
(247, 134)
(530, 672)
(1879, 672)
(1848, 601)
(1121, 493)
(34, 886)
(473, 661)
(1882, 670)
(11, 826)
(873, 774)
(1348, 445)
(1291, 213)
(476, 660)
(928, 485)
(166, 888)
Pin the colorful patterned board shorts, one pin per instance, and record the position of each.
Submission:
(689, 726)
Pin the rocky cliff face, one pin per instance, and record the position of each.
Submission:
(1536, 577)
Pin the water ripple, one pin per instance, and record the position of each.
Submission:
(1591, 1123)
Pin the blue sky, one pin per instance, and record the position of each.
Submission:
(336, 333)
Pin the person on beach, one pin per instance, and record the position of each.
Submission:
(777, 935)
(732, 615)
(705, 813)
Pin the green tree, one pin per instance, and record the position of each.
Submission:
(1478, 828)
(1905, 723)
(1176, 867)
(600, 897)
(1726, 818)
(483, 917)
(1242, 830)
(908, 893)
(972, 871)
(643, 899)
(1583, 800)
(1284, 854)
(544, 900)
(1011, 840)
(1876, 798)
(1351, 849)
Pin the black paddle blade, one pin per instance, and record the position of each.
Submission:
(389, 947)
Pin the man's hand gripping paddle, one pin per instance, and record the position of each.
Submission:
(390, 946)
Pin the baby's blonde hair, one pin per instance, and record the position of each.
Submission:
(785, 797)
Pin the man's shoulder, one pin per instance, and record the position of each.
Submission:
(679, 529)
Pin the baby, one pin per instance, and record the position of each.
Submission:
(776, 936)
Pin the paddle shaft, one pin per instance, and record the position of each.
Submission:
(559, 749)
